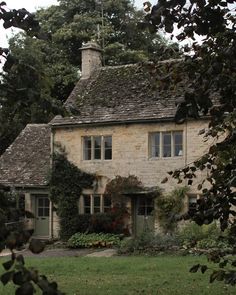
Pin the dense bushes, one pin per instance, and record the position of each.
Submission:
(149, 243)
(109, 222)
(94, 240)
(202, 237)
(191, 238)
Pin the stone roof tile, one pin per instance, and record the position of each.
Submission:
(121, 94)
(27, 161)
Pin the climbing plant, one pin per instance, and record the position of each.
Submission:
(66, 184)
(169, 207)
(119, 186)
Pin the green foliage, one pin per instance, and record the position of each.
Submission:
(119, 186)
(169, 208)
(203, 237)
(149, 243)
(66, 184)
(93, 240)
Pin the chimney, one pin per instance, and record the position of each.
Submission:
(91, 58)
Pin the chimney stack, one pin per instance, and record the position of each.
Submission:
(91, 58)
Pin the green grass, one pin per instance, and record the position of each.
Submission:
(164, 275)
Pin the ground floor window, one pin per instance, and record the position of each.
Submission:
(95, 203)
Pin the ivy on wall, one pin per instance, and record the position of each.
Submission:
(119, 186)
(66, 184)
(168, 207)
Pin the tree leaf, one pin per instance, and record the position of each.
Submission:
(6, 277)
(7, 265)
(36, 246)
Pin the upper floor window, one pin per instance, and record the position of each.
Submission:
(166, 144)
(97, 148)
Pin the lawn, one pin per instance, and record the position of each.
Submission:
(164, 275)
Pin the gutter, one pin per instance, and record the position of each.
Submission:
(123, 122)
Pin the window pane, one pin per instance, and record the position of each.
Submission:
(46, 202)
(40, 202)
(87, 147)
(155, 145)
(87, 208)
(166, 144)
(96, 200)
(40, 212)
(107, 201)
(107, 147)
(96, 204)
(46, 212)
(178, 143)
(97, 147)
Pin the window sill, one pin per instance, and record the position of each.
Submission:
(96, 161)
(165, 158)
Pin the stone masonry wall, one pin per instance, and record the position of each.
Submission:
(130, 149)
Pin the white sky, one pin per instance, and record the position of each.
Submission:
(32, 5)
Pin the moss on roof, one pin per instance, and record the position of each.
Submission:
(127, 93)
(27, 161)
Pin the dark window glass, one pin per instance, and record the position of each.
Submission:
(87, 205)
(96, 204)
(97, 147)
(40, 202)
(87, 148)
(166, 137)
(178, 143)
(107, 203)
(40, 212)
(46, 202)
(107, 147)
(155, 145)
(46, 212)
(145, 206)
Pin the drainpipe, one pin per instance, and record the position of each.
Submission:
(51, 163)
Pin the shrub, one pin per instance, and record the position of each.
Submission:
(149, 243)
(169, 207)
(202, 237)
(210, 243)
(94, 240)
(110, 222)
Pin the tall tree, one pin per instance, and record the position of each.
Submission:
(211, 67)
(43, 72)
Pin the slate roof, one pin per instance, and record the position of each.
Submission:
(121, 94)
(27, 161)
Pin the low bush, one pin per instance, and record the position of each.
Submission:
(210, 243)
(149, 243)
(190, 234)
(202, 237)
(93, 240)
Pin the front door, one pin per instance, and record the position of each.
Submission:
(42, 212)
(144, 215)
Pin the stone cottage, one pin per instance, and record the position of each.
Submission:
(118, 125)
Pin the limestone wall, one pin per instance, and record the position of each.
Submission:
(130, 149)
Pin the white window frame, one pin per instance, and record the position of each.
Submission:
(92, 137)
(161, 144)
